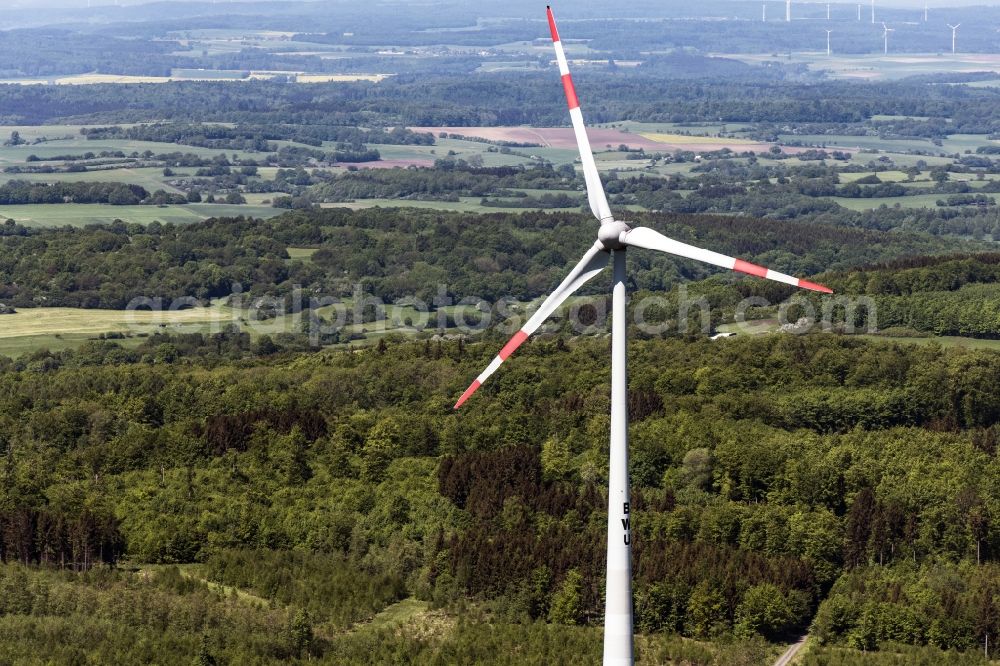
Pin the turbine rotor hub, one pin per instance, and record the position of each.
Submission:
(610, 235)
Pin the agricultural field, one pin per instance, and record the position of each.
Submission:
(41, 157)
(881, 67)
(149, 177)
(955, 143)
(48, 145)
(600, 138)
(48, 141)
(57, 215)
(768, 326)
(30, 329)
(463, 205)
(873, 203)
(204, 75)
(555, 146)
(55, 328)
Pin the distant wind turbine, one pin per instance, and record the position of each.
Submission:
(873, 12)
(828, 11)
(925, 12)
(828, 41)
(763, 12)
(859, 11)
(788, 10)
(954, 29)
(885, 37)
(613, 239)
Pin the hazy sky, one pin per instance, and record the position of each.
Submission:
(50, 4)
(28, 4)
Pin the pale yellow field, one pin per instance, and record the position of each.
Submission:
(620, 63)
(339, 78)
(66, 321)
(87, 79)
(90, 79)
(700, 140)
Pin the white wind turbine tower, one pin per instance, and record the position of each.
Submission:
(613, 238)
(925, 12)
(859, 11)
(788, 10)
(873, 12)
(954, 29)
(763, 11)
(885, 37)
(828, 41)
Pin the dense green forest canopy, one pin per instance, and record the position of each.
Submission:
(391, 254)
(766, 471)
(48, 52)
(255, 137)
(21, 192)
(644, 94)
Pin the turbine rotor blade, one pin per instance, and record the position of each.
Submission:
(592, 263)
(595, 191)
(654, 240)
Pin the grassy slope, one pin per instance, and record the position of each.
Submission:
(57, 215)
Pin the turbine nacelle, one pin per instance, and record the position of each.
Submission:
(612, 235)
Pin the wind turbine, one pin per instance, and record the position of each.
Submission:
(763, 11)
(954, 29)
(828, 41)
(788, 10)
(859, 11)
(828, 11)
(873, 12)
(613, 238)
(885, 38)
(925, 12)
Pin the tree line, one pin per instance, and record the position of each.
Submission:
(17, 192)
(256, 137)
(443, 99)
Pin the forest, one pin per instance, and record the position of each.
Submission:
(446, 181)
(21, 192)
(255, 138)
(222, 482)
(391, 254)
(642, 93)
(774, 479)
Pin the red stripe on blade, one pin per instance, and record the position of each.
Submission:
(806, 284)
(552, 24)
(512, 344)
(750, 269)
(469, 391)
(570, 92)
